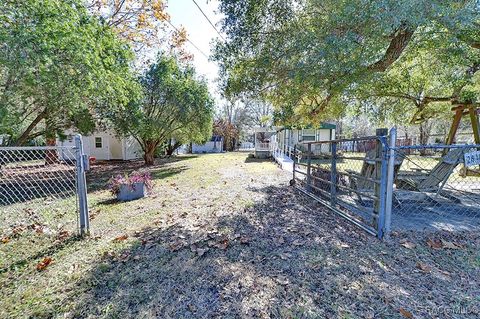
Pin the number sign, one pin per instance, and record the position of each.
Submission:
(472, 158)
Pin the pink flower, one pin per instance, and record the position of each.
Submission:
(142, 176)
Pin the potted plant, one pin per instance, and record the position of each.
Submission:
(130, 187)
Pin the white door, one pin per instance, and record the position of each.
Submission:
(100, 148)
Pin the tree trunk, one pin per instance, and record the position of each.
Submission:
(424, 135)
(50, 137)
(424, 128)
(26, 134)
(149, 155)
(149, 158)
(171, 148)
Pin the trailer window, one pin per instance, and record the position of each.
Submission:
(98, 142)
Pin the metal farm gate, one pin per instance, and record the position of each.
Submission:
(43, 178)
(346, 179)
(378, 184)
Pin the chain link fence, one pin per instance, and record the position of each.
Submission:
(43, 186)
(436, 188)
(346, 175)
(36, 172)
(379, 185)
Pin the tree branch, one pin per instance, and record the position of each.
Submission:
(398, 43)
(25, 135)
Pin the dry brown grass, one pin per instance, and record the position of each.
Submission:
(227, 238)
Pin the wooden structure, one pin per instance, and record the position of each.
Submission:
(423, 180)
(473, 111)
(364, 181)
(461, 110)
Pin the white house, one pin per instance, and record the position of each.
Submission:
(215, 145)
(106, 146)
(279, 142)
(285, 138)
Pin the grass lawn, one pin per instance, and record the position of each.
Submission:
(224, 236)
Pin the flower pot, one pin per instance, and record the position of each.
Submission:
(131, 191)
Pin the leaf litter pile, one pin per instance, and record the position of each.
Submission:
(228, 238)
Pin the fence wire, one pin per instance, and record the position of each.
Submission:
(434, 189)
(37, 187)
(346, 176)
(381, 185)
(29, 173)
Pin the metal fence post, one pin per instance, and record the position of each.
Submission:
(380, 175)
(333, 175)
(309, 165)
(294, 160)
(390, 176)
(81, 186)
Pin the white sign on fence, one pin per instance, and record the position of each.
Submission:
(472, 158)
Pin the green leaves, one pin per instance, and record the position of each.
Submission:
(175, 104)
(59, 60)
(311, 58)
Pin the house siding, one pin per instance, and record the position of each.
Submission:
(112, 148)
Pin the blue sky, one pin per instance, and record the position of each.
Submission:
(185, 13)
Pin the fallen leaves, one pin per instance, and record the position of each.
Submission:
(244, 240)
(424, 267)
(408, 244)
(44, 263)
(177, 245)
(63, 235)
(451, 245)
(442, 244)
(18, 230)
(222, 244)
(434, 243)
(405, 313)
(120, 238)
(93, 213)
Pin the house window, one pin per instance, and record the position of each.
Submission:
(98, 142)
(308, 135)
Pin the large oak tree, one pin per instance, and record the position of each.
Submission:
(310, 57)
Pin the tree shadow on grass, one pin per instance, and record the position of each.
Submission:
(55, 247)
(282, 257)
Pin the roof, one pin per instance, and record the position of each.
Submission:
(323, 125)
(216, 138)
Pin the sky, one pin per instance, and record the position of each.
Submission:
(185, 13)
